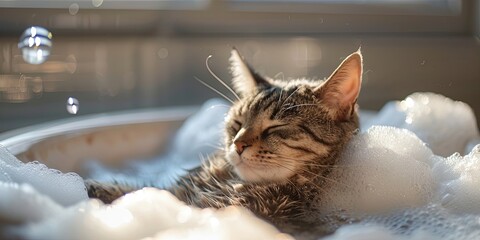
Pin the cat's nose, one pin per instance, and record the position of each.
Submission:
(240, 146)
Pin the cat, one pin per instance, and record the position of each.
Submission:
(282, 138)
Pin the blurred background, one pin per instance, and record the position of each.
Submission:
(115, 55)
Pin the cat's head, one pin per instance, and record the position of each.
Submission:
(295, 128)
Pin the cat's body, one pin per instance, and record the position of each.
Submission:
(282, 139)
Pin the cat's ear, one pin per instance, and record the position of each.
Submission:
(340, 92)
(245, 80)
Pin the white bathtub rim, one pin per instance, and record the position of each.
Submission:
(19, 140)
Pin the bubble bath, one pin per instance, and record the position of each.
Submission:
(413, 172)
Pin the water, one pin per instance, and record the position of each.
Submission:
(36, 44)
(72, 105)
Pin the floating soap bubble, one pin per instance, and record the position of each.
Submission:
(97, 3)
(35, 43)
(162, 53)
(73, 9)
(72, 105)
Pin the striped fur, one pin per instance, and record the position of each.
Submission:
(281, 141)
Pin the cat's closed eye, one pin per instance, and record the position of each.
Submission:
(236, 126)
(272, 129)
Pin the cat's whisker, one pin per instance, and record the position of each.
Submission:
(310, 163)
(275, 162)
(201, 157)
(307, 162)
(288, 180)
(309, 180)
(284, 157)
(278, 74)
(316, 174)
(283, 161)
(211, 157)
(291, 94)
(327, 178)
(289, 162)
(324, 177)
(215, 90)
(258, 175)
(333, 166)
(316, 185)
(219, 105)
(225, 163)
(279, 98)
(298, 105)
(218, 147)
(293, 184)
(218, 79)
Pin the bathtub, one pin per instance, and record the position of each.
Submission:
(111, 138)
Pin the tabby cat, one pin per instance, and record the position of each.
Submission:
(282, 139)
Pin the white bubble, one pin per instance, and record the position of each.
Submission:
(382, 169)
(97, 3)
(447, 126)
(35, 44)
(72, 105)
(162, 53)
(73, 9)
(71, 63)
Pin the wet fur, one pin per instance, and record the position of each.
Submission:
(300, 153)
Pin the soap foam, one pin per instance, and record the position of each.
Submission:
(69, 188)
(447, 209)
(381, 170)
(446, 126)
(459, 181)
(428, 222)
(147, 213)
(20, 203)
